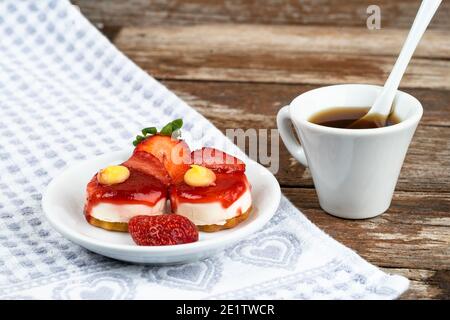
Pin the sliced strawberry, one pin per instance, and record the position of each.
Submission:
(217, 160)
(149, 164)
(162, 230)
(173, 153)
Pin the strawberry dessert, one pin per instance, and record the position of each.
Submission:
(139, 185)
(117, 193)
(207, 189)
(215, 193)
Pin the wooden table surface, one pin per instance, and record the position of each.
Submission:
(237, 62)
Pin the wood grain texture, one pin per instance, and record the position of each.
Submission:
(254, 105)
(398, 13)
(245, 38)
(427, 284)
(283, 54)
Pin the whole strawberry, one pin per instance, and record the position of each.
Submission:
(162, 230)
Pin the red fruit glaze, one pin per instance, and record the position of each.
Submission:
(227, 189)
(149, 164)
(173, 153)
(139, 188)
(162, 230)
(217, 160)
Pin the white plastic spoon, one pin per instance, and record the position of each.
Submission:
(381, 109)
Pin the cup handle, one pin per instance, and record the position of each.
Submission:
(284, 128)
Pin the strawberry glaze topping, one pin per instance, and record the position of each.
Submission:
(139, 188)
(227, 189)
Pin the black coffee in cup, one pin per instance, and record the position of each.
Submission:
(343, 117)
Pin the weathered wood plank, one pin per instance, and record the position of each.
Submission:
(398, 14)
(280, 54)
(424, 284)
(240, 105)
(413, 233)
(254, 105)
(241, 38)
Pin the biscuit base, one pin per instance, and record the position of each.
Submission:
(231, 223)
(107, 225)
(123, 226)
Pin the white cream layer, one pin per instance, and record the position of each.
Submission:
(213, 213)
(124, 212)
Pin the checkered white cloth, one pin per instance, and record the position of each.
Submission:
(67, 94)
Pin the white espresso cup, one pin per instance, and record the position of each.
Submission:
(354, 170)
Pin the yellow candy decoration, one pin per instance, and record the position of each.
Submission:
(198, 176)
(113, 175)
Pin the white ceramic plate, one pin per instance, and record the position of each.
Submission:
(63, 206)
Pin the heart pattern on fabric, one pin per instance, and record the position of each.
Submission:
(100, 286)
(201, 275)
(101, 293)
(189, 273)
(275, 249)
(269, 252)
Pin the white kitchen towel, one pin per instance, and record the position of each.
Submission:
(67, 94)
